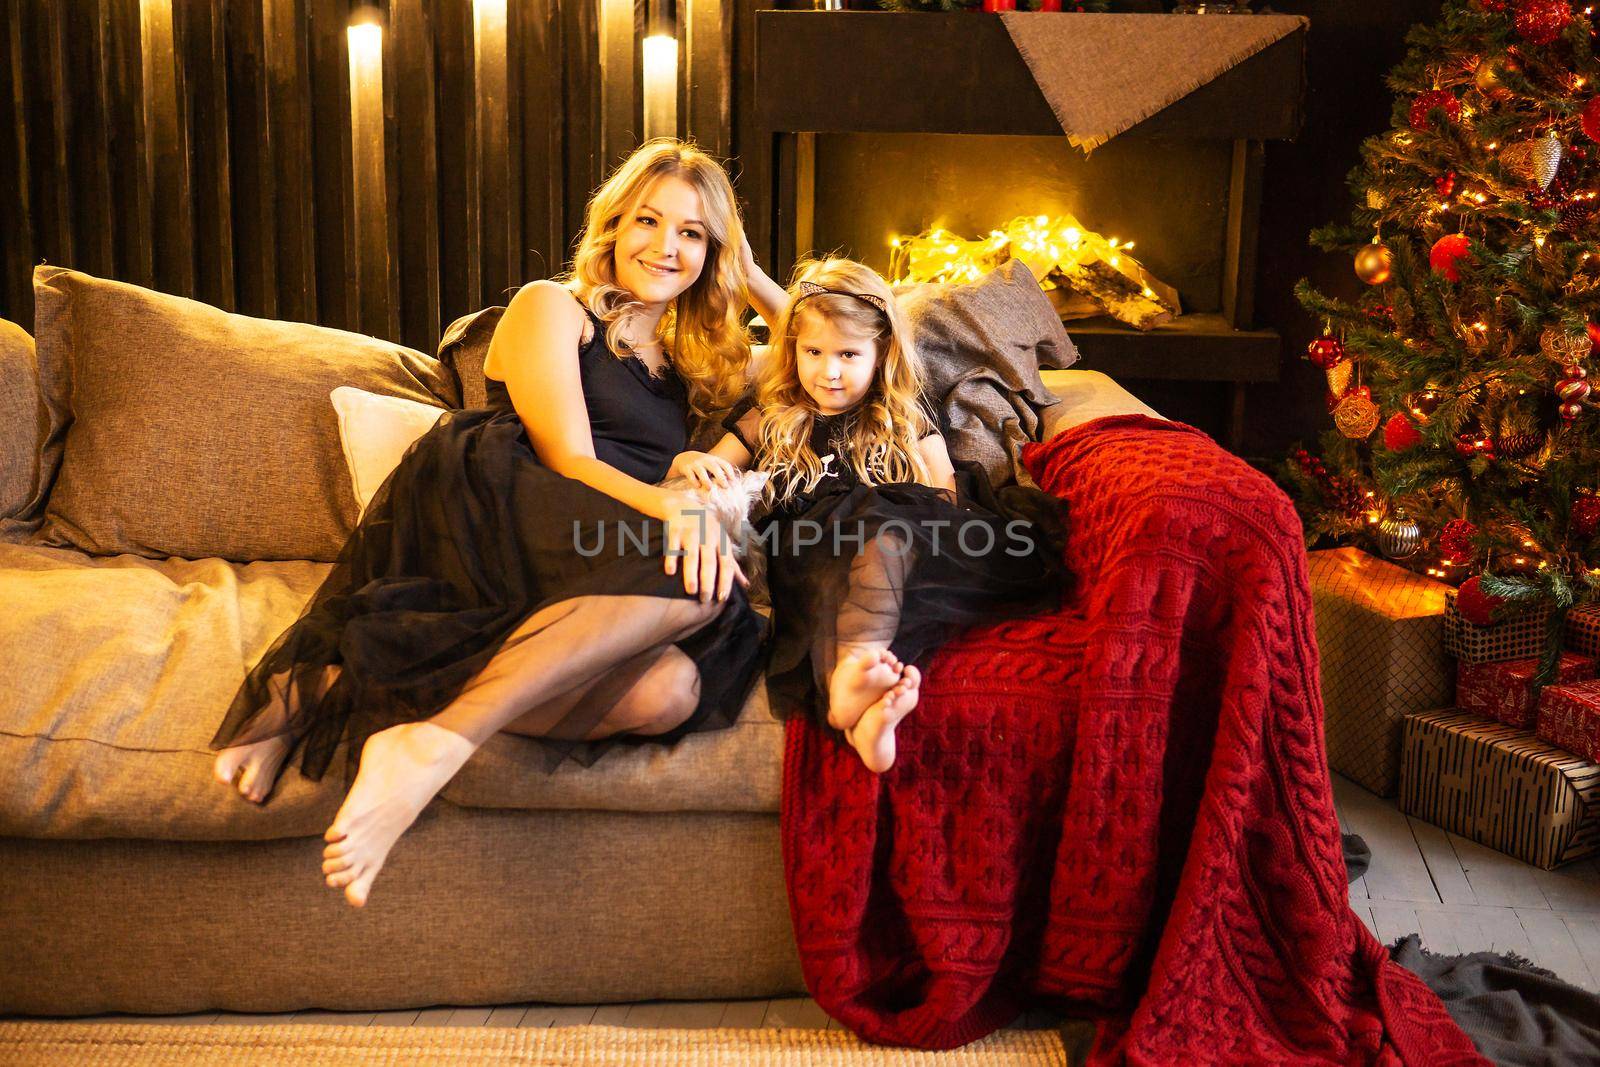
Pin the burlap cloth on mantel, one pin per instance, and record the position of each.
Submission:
(1103, 74)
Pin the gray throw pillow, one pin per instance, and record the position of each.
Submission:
(188, 431)
(22, 427)
(464, 347)
(982, 346)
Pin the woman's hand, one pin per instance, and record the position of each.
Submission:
(764, 295)
(693, 533)
(703, 469)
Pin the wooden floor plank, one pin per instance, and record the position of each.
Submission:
(573, 1015)
(1505, 932)
(334, 1018)
(1496, 878)
(509, 1015)
(691, 1014)
(1439, 931)
(1393, 920)
(405, 1017)
(646, 1014)
(795, 1013)
(434, 1017)
(239, 1018)
(1572, 888)
(1444, 866)
(1585, 931)
(1364, 912)
(1398, 872)
(469, 1017)
(1554, 948)
(743, 1014)
(611, 1015)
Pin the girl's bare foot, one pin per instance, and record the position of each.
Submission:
(873, 735)
(858, 680)
(252, 768)
(402, 768)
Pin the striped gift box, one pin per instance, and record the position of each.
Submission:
(1500, 786)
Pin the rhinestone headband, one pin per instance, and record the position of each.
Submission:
(810, 289)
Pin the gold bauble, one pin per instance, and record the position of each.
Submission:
(1339, 376)
(1356, 416)
(1374, 263)
(1487, 77)
(1563, 346)
(1535, 160)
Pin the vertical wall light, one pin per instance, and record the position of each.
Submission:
(370, 183)
(661, 69)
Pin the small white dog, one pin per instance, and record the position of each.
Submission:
(728, 504)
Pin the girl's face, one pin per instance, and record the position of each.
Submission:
(662, 243)
(835, 365)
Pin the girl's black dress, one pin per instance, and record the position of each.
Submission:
(901, 562)
(470, 536)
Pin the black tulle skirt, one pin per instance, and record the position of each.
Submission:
(469, 538)
(902, 564)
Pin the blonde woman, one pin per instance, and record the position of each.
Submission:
(521, 570)
(879, 548)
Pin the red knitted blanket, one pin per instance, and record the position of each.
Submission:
(1122, 809)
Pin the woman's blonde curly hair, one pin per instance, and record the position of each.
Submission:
(880, 435)
(701, 328)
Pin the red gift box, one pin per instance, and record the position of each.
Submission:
(1504, 691)
(1569, 718)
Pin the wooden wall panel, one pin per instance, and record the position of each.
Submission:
(16, 209)
(414, 174)
(208, 148)
(202, 45)
(330, 145)
(166, 149)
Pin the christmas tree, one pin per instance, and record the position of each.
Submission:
(1465, 441)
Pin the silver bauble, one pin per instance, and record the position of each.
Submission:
(1399, 536)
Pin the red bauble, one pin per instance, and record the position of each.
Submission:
(1585, 516)
(1590, 119)
(1455, 541)
(1447, 251)
(1541, 21)
(1434, 98)
(1594, 338)
(1474, 444)
(1476, 606)
(1445, 183)
(1326, 351)
(1400, 434)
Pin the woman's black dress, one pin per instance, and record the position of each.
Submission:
(939, 566)
(469, 537)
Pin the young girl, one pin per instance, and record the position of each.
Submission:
(879, 549)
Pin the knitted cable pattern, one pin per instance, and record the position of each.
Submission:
(1122, 808)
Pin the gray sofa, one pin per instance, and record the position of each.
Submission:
(131, 881)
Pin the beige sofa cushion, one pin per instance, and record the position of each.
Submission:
(22, 423)
(118, 670)
(193, 432)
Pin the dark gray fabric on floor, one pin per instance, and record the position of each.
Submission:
(1516, 1013)
(1357, 857)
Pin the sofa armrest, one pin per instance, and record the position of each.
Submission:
(1086, 395)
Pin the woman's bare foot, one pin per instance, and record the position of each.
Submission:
(252, 768)
(858, 680)
(873, 735)
(402, 769)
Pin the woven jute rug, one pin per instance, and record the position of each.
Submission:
(36, 1044)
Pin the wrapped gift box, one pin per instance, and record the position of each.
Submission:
(1380, 631)
(1500, 786)
(1504, 691)
(1516, 637)
(1582, 633)
(1569, 718)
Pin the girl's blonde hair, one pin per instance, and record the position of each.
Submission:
(879, 435)
(701, 328)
